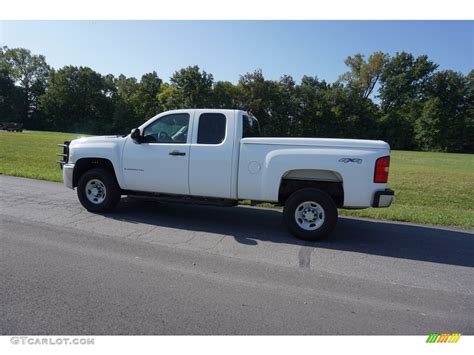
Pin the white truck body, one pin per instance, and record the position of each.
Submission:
(235, 168)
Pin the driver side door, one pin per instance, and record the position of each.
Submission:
(161, 162)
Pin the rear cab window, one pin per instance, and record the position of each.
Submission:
(250, 127)
(212, 128)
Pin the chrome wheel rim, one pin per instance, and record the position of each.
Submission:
(95, 191)
(309, 215)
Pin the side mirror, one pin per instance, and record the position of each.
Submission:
(136, 135)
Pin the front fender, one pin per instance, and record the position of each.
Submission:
(110, 151)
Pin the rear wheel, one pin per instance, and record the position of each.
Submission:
(310, 214)
(98, 190)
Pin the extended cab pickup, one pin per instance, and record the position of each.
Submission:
(218, 157)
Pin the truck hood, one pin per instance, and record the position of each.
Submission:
(107, 147)
(96, 140)
(320, 142)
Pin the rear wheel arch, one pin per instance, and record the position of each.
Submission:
(327, 181)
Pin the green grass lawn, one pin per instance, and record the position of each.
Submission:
(32, 154)
(431, 188)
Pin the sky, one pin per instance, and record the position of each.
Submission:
(228, 49)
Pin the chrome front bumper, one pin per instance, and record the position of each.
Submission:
(68, 170)
(383, 198)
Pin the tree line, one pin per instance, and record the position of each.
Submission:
(402, 99)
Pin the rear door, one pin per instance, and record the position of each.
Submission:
(210, 166)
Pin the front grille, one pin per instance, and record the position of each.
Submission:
(64, 155)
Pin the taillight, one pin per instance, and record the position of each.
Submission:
(381, 169)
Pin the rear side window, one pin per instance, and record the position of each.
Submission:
(251, 127)
(211, 128)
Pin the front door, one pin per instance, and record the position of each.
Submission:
(161, 162)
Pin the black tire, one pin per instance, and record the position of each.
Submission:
(321, 201)
(112, 190)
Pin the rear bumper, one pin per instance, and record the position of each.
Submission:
(383, 198)
(68, 170)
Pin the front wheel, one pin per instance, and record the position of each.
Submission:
(310, 214)
(98, 190)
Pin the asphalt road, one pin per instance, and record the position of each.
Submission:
(152, 268)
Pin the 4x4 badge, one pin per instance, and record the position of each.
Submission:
(350, 160)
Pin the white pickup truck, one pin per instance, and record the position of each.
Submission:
(214, 156)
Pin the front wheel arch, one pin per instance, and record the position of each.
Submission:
(85, 164)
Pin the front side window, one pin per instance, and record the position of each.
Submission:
(211, 128)
(251, 127)
(168, 129)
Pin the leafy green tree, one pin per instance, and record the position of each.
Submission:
(146, 99)
(194, 86)
(225, 95)
(401, 92)
(349, 116)
(78, 99)
(259, 96)
(364, 74)
(125, 116)
(468, 143)
(442, 124)
(135, 101)
(285, 107)
(313, 108)
(11, 98)
(171, 98)
(416, 106)
(126, 87)
(403, 79)
(429, 127)
(31, 73)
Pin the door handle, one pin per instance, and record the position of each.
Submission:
(175, 152)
